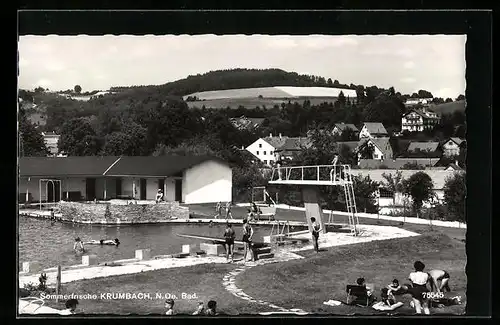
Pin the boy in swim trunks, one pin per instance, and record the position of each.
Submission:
(229, 236)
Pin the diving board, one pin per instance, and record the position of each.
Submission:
(220, 241)
(318, 175)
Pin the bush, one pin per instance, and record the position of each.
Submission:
(455, 192)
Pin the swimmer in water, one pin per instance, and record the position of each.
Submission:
(78, 245)
(115, 242)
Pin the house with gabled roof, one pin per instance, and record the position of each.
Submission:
(341, 127)
(418, 120)
(372, 130)
(452, 146)
(382, 148)
(187, 179)
(264, 148)
(423, 149)
(291, 147)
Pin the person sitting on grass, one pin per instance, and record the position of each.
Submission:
(211, 308)
(445, 302)
(200, 310)
(362, 282)
(439, 275)
(388, 302)
(396, 289)
(362, 300)
(70, 307)
(169, 305)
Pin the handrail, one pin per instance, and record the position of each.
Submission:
(344, 172)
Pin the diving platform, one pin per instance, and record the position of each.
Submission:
(308, 178)
(330, 175)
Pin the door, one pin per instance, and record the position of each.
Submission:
(53, 191)
(161, 184)
(143, 189)
(118, 188)
(90, 189)
(178, 190)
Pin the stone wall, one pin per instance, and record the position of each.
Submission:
(106, 213)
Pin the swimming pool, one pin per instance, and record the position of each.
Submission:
(52, 244)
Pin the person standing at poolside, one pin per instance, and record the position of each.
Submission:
(315, 230)
(78, 245)
(229, 235)
(334, 170)
(228, 210)
(247, 240)
(218, 210)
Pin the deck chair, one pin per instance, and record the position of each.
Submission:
(357, 295)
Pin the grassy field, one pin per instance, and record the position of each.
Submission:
(234, 103)
(306, 284)
(301, 284)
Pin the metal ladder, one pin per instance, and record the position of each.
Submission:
(350, 199)
(281, 231)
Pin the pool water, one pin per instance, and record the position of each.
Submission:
(51, 244)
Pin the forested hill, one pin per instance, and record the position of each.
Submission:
(239, 78)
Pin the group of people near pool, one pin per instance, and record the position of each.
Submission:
(218, 210)
(230, 235)
(79, 245)
(422, 297)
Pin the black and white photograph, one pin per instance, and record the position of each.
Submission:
(233, 174)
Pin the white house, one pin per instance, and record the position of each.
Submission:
(452, 146)
(341, 127)
(187, 179)
(51, 142)
(438, 179)
(372, 130)
(264, 148)
(382, 148)
(419, 120)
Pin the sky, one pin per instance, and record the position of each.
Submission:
(406, 62)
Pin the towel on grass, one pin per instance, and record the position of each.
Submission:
(381, 306)
(332, 303)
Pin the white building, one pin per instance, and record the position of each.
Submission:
(382, 148)
(264, 148)
(186, 179)
(419, 120)
(51, 142)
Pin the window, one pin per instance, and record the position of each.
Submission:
(271, 153)
(265, 162)
(260, 145)
(257, 153)
(264, 153)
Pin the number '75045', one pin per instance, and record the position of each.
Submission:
(432, 295)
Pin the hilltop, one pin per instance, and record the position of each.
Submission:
(237, 79)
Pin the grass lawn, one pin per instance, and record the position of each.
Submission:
(303, 284)
(307, 283)
(204, 280)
